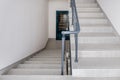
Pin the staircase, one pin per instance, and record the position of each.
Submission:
(40, 64)
(99, 44)
(44, 65)
(98, 55)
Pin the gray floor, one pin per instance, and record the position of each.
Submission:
(53, 44)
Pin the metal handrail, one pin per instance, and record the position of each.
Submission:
(76, 26)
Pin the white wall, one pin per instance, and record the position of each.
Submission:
(112, 10)
(23, 29)
(55, 5)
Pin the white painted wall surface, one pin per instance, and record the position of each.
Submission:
(23, 29)
(55, 5)
(112, 10)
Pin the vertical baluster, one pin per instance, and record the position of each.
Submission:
(76, 47)
(62, 55)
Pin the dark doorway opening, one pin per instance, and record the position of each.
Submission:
(62, 24)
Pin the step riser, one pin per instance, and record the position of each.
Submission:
(38, 77)
(91, 21)
(53, 55)
(95, 29)
(85, 1)
(39, 66)
(88, 10)
(84, 10)
(39, 56)
(97, 54)
(42, 62)
(92, 40)
(96, 72)
(86, 5)
(34, 72)
(49, 54)
(44, 59)
(89, 15)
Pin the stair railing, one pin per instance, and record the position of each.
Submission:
(76, 27)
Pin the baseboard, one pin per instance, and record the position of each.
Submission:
(6, 69)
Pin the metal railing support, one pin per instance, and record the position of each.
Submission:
(76, 25)
(76, 47)
(63, 54)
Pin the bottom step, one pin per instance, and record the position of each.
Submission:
(34, 77)
(96, 67)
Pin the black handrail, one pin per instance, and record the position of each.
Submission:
(76, 26)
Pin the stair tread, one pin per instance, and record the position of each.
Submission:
(98, 47)
(44, 56)
(96, 34)
(34, 72)
(42, 62)
(104, 40)
(97, 63)
(97, 25)
(39, 66)
(44, 59)
(51, 77)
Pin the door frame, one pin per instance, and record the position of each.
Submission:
(57, 12)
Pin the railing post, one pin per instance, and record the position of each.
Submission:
(62, 55)
(76, 25)
(76, 47)
(70, 3)
(72, 11)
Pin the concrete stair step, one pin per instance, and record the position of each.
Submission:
(45, 56)
(97, 63)
(97, 53)
(87, 5)
(91, 21)
(51, 51)
(97, 47)
(44, 59)
(89, 15)
(95, 25)
(88, 10)
(97, 40)
(85, 1)
(53, 77)
(35, 77)
(94, 34)
(42, 62)
(50, 54)
(34, 72)
(97, 67)
(39, 66)
(94, 29)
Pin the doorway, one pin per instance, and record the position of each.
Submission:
(62, 24)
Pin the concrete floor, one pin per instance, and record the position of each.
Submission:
(54, 44)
